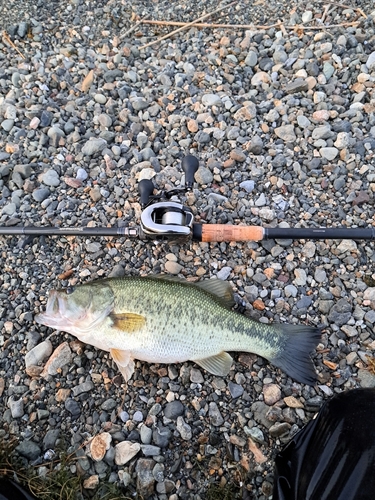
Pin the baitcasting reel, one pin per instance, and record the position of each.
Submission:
(167, 218)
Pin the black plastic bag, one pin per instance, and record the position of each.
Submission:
(333, 457)
(10, 490)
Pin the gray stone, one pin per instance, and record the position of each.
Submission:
(93, 146)
(150, 450)
(174, 409)
(50, 178)
(184, 429)
(370, 63)
(320, 275)
(255, 145)
(16, 407)
(303, 121)
(248, 186)
(235, 390)
(40, 194)
(161, 436)
(203, 176)
(9, 209)
(29, 450)
(340, 312)
(322, 132)
(216, 418)
(255, 433)
(342, 140)
(224, 273)
(328, 70)
(72, 407)
(39, 353)
(7, 125)
(280, 56)
(286, 133)
(146, 434)
(329, 153)
(260, 410)
(211, 100)
(139, 103)
(82, 388)
(367, 379)
(290, 291)
(299, 85)
(300, 277)
(108, 405)
(49, 440)
(251, 59)
(145, 478)
(196, 376)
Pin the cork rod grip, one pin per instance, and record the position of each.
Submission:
(224, 232)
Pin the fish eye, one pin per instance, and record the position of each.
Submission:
(69, 290)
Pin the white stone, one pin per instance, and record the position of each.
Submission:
(125, 451)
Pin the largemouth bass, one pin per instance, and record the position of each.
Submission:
(168, 320)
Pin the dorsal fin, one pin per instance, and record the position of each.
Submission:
(221, 289)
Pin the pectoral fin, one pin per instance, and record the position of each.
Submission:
(217, 365)
(128, 322)
(124, 362)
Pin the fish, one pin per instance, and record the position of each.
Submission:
(164, 319)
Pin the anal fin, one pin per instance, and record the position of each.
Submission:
(219, 364)
(124, 362)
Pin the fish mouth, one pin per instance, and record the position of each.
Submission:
(54, 316)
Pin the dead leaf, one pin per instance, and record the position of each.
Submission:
(258, 455)
(330, 364)
(87, 82)
(66, 274)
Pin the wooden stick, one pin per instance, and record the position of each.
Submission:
(134, 27)
(343, 6)
(7, 39)
(245, 26)
(185, 26)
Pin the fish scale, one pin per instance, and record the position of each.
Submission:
(167, 320)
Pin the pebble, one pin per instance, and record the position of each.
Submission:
(99, 446)
(39, 353)
(173, 410)
(16, 407)
(211, 100)
(272, 394)
(216, 419)
(184, 429)
(125, 451)
(286, 133)
(235, 390)
(93, 146)
(28, 449)
(50, 178)
(60, 357)
(203, 176)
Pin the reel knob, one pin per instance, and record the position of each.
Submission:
(145, 190)
(190, 165)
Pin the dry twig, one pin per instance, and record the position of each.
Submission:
(187, 25)
(342, 6)
(243, 26)
(9, 41)
(133, 28)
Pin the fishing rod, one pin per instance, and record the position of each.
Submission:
(172, 220)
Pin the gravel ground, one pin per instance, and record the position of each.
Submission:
(282, 121)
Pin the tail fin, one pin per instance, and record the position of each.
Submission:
(297, 342)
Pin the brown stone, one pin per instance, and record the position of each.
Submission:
(99, 446)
